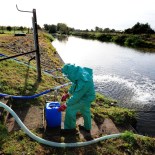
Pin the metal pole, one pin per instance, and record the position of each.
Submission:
(36, 44)
(14, 56)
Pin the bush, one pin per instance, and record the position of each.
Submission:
(134, 41)
(104, 37)
(119, 39)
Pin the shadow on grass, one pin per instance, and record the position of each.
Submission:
(22, 106)
(35, 85)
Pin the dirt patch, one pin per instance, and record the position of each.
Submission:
(31, 116)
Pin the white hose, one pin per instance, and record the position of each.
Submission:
(50, 143)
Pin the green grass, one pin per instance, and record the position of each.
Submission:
(106, 108)
(13, 32)
(19, 142)
(19, 79)
(48, 36)
(3, 135)
(138, 144)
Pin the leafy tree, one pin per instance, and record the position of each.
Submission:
(106, 30)
(52, 29)
(21, 28)
(71, 29)
(98, 29)
(128, 31)
(62, 28)
(38, 26)
(46, 27)
(2, 29)
(139, 28)
(9, 28)
(112, 31)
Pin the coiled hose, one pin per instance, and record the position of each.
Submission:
(50, 143)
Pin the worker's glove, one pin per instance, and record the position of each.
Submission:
(62, 107)
(64, 97)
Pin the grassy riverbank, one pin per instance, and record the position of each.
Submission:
(19, 79)
(145, 42)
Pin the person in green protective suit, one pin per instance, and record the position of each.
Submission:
(81, 94)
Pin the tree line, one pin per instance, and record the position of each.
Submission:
(12, 28)
(59, 28)
(62, 28)
(138, 28)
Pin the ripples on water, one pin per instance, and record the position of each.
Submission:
(134, 94)
(130, 92)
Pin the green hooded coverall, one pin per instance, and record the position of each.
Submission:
(82, 94)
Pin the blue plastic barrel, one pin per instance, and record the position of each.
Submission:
(53, 116)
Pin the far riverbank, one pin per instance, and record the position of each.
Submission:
(144, 42)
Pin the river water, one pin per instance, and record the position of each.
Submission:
(122, 73)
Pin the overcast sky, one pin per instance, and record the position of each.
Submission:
(82, 14)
